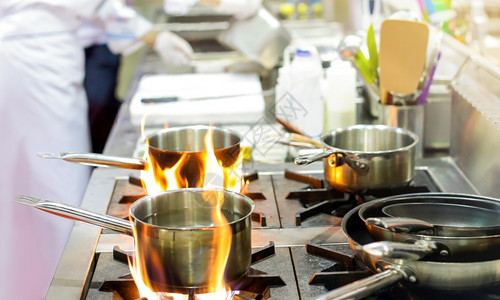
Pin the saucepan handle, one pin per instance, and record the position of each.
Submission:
(367, 286)
(360, 165)
(98, 160)
(78, 214)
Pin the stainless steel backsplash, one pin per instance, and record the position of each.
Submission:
(475, 124)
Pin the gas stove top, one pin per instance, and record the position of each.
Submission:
(300, 251)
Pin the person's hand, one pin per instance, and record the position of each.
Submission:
(178, 7)
(172, 49)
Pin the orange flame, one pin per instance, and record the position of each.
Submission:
(244, 186)
(222, 231)
(191, 170)
(213, 175)
(155, 179)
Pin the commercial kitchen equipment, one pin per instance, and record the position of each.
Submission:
(299, 249)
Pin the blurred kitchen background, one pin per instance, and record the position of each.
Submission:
(475, 23)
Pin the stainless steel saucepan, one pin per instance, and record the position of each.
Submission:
(174, 235)
(472, 224)
(473, 274)
(166, 147)
(366, 157)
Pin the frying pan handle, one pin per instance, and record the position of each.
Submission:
(97, 160)
(360, 165)
(367, 286)
(78, 214)
(399, 224)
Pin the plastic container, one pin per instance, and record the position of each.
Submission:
(299, 99)
(340, 95)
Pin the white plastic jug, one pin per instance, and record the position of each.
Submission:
(340, 95)
(299, 99)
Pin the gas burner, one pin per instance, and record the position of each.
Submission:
(319, 198)
(256, 285)
(132, 190)
(259, 217)
(347, 268)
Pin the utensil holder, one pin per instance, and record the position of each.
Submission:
(410, 117)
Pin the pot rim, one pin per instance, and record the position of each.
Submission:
(380, 127)
(194, 127)
(189, 190)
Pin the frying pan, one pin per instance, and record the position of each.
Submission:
(166, 147)
(174, 235)
(473, 274)
(447, 243)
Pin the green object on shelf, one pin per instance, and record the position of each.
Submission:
(364, 67)
(372, 51)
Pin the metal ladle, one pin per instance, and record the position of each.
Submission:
(349, 47)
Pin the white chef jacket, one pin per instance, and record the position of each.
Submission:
(43, 108)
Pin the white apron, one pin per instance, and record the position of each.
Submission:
(43, 108)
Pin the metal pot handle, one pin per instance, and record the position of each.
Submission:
(360, 165)
(97, 160)
(367, 286)
(78, 214)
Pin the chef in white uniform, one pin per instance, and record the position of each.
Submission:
(43, 108)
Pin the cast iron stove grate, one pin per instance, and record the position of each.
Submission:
(256, 216)
(347, 268)
(256, 285)
(319, 198)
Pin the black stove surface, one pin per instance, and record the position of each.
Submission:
(294, 203)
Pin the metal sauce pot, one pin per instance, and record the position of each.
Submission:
(367, 157)
(166, 147)
(174, 235)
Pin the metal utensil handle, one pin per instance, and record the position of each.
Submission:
(365, 287)
(98, 160)
(396, 250)
(399, 224)
(360, 165)
(78, 214)
(305, 139)
(306, 160)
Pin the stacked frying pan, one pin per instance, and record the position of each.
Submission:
(436, 240)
